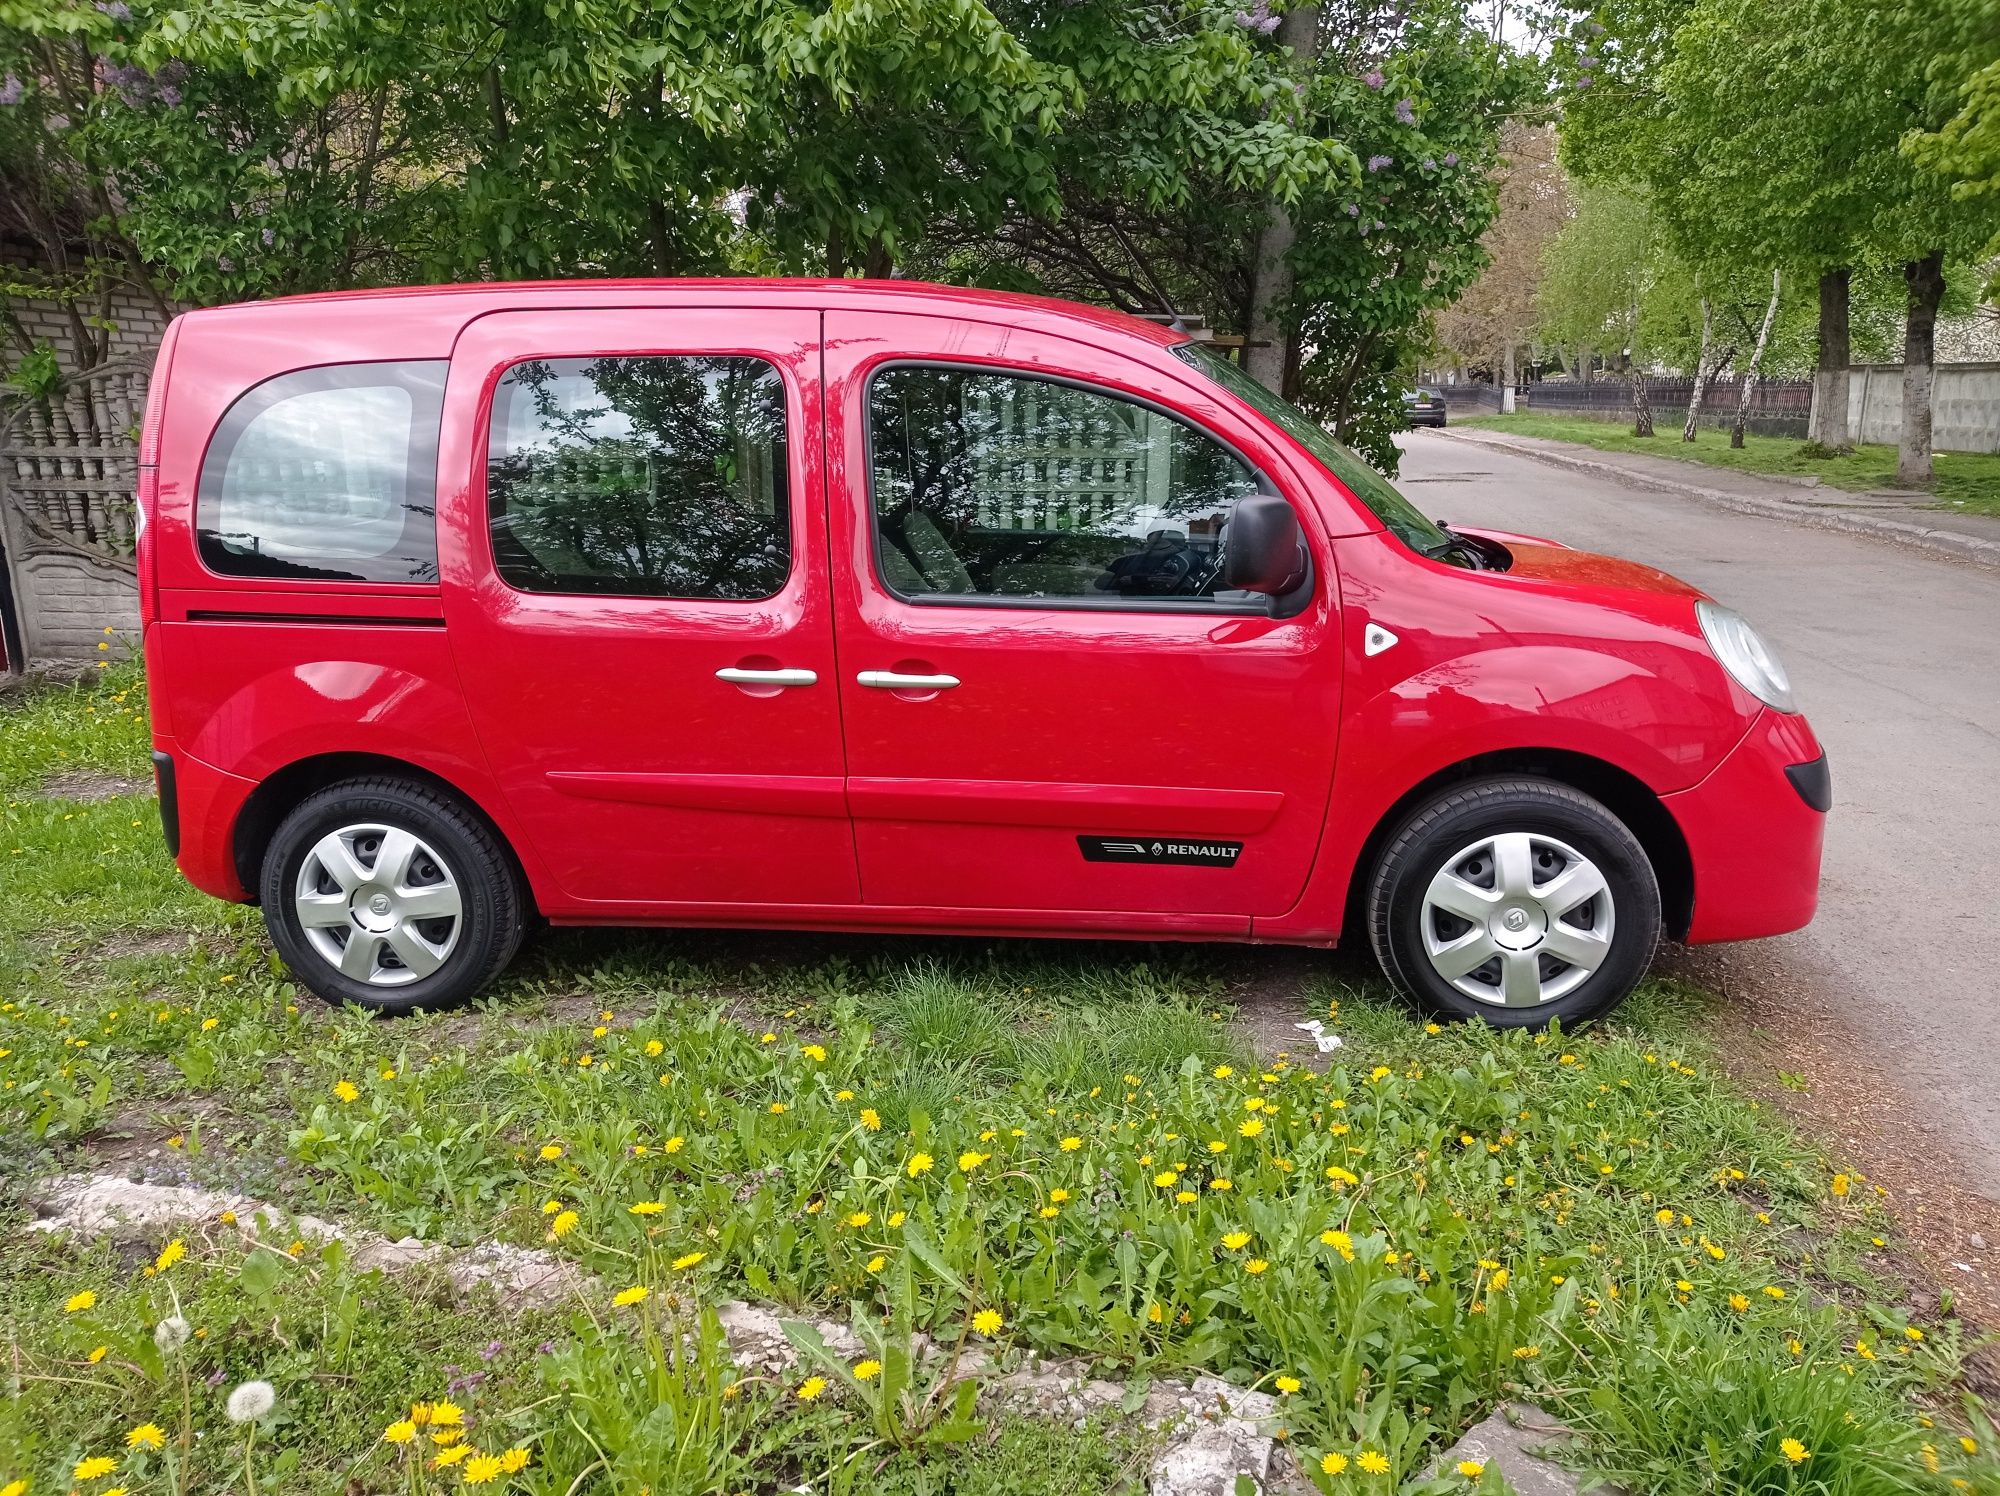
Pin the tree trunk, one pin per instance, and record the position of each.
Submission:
(1829, 408)
(1756, 362)
(1642, 405)
(1583, 363)
(1268, 351)
(1507, 380)
(1925, 278)
(1700, 372)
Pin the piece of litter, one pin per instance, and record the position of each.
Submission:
(1325, 1041)
(1963, 1267)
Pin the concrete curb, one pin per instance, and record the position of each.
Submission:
(1980, 552)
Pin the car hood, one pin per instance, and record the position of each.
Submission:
(1551, 561)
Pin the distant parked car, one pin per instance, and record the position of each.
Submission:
(1423, 407)
(853, 605)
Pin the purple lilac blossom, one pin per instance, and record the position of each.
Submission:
(269, 239)
(1374, 79)
(1406, 111)
(1585, 81)
(1451, 158)
(1259, 20)
(1376, 163)
(1429, 164)
(11, 91)
(1353, 210)
(116, 9)
(168, 95)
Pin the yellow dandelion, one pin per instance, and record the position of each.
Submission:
(1220, 1184)
(1289, 1385)
(970, 1160)
(1255, 1266)
(654, 1048)
(811, 1388)
(171, 1253)
(1250, 1127)
(402, 1431)
(778, 1109)
(346, 1090)
(1373, 1461)
(447, 1414)
(1166, 1179)
(876, 1263)
(647, 1208)
(1471, 1469)
(76, 1303)
(813, 1052)
(871, 1119)
(920, 1163)
(551, 1152)
(987, 1321)
(562, 1225)
(625, 1298)
(97, 1353)
(1794, 1451)
(146, 1436)
(445, 1458)
(514, 1460)
(1333, 1464)
(1059, 1196)
(688, 1259)
(673, 1145)
(1739, 1302)
(481, 1468)
(1223, 1072)
(1236, 1240)
(865, 1371)
(94, 1467)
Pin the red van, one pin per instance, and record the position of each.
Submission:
(882, 606)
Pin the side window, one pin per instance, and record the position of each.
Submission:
(326, 474)
(654, 476)
(1005, 485)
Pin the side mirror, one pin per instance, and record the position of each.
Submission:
(1266, 550)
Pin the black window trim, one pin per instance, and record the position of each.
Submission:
(490, 554)
(1272, 607)
(425, 441)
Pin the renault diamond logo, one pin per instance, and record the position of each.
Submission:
(1161, 851)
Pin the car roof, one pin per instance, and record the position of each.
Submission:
(831, 294)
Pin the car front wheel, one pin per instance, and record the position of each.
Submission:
(388, 895)
(1518, 901)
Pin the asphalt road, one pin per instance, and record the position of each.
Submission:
(1895, 658)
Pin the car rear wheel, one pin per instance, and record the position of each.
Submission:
(1519, 901)
(388, 895)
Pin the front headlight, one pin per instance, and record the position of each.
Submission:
(1745, 655)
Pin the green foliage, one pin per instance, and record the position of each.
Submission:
(1965, 149)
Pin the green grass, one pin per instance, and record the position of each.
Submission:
(1966, 481)
(907, 1136)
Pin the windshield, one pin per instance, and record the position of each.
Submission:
(1402, 518)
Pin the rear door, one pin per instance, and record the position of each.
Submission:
(1051, 701)
(635, 585)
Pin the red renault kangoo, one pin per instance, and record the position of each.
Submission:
(882, 606)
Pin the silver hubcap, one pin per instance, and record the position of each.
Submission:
(1517, 920)
(378, 904)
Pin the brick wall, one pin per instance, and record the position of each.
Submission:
(65, 603)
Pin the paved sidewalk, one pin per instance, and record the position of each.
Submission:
(1887, 516)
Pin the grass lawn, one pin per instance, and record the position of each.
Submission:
(1966, 481)
(1060, 1148)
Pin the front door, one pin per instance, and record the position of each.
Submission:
(636, 592)
(1052, 701)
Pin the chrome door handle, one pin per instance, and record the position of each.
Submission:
(737, 677)
(892, 680)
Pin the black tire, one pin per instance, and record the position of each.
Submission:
(493, 908)
(1457, 820)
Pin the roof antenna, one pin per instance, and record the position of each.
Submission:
(1166, 314)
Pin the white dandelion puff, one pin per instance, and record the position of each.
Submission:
(172, 1333)
(250, 1402)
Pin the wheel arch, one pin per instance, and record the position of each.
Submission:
(1622, 793)
(278, 792)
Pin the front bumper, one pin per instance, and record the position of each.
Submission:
(1754, 829)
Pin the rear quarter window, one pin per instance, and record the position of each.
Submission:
(327, 474)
